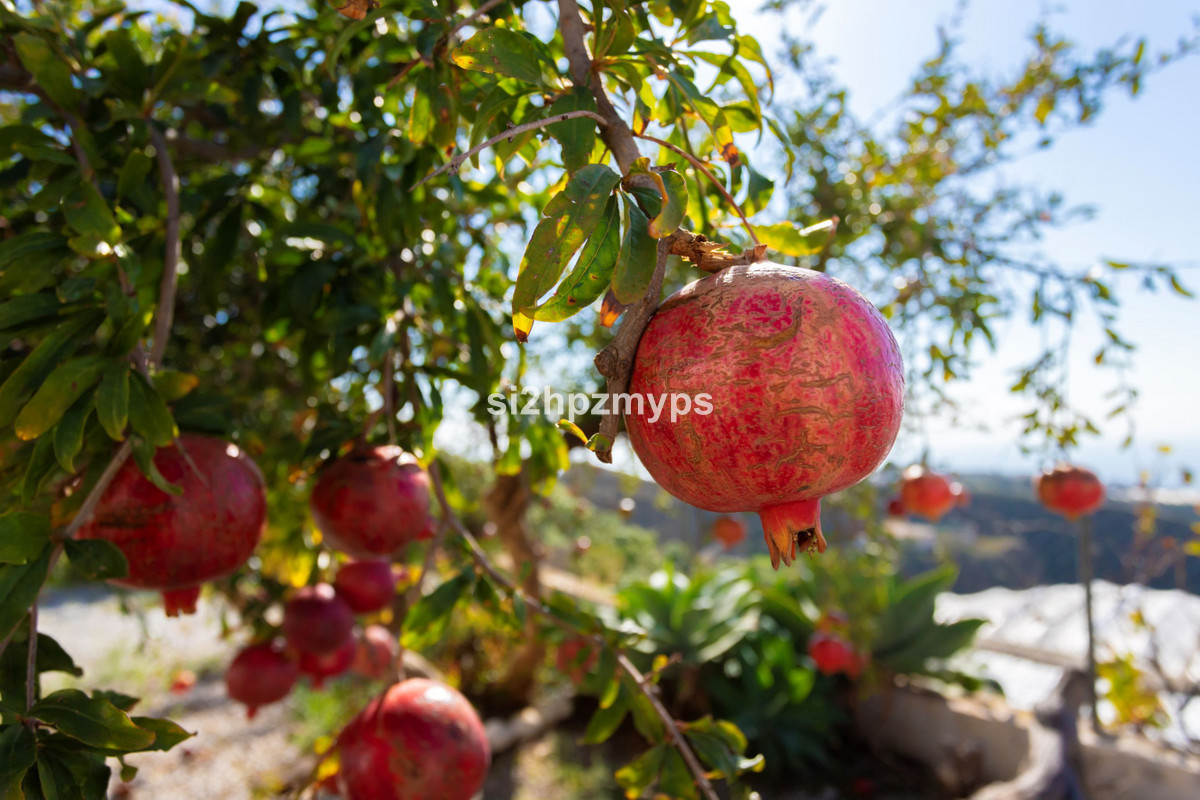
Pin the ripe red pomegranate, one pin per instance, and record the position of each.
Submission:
(805, 385)
(1070, 490)
(895, 507)
(375, 653)
(316, 620)
(372, 502)
(833, 654)
(260, 674)
(575, 659)
(926, 493)
(327, 665)
(419, 740)
(729, 532)
(174, 543)
(366, 586)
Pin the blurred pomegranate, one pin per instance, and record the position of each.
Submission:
(260, 674)
(174, 543)
(366, 586)
(316, 620)
(375, 653)
(328, 665)
(925, 493)
(575, 659)
(1070, 490)
(729, 532)
(805, 390)
(372, 502)
(833, 654)
(419, 740)
(895, 507)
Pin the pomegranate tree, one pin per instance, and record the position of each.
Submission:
(419, 740)
(1070, 490)
(729, 532)
(372, 502)
(174, 543)
(316, 620)
(366, 586)
(926, 493)
(806, 389)
(260, 674)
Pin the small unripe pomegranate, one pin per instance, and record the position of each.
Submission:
(316, 620)
(1070, 490)
(419, 740)
(729, 532)
(174, 543)
(327, 665)
(926, 493)
(805, 388)
(375, 653)
(895, 507)
(833, 654)
(260, 674)
(575, 659)
(366, 586)
(372, 502)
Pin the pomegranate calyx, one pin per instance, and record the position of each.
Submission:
(789, 527)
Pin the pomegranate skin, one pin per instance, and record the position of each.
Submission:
(807, 391)
(1070, 490)
(833, 654)
(316, 620)
(366, 586)
(927, 493)
(261, 674)
(177, 542)
(327, 665)
(372, 502)
(729, 532)
(419, 740)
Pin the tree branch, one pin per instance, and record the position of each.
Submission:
(31, 673)
(170, 277)
(480, 557)
(455, 163)
(699, 165)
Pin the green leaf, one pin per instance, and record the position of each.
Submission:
(143, 455)
(675, 780)
(112, 400)
(148, 413)
(675, 209)
(166, 733)
(495, 103)
(427, 619)
(97, 559)
(41, 464)
(68, 434)
(132, 72)
(640, 774)
(56, 778)
(20, 247)
(48, 70)
(592, 272)
(174, 385)
(637, 258)
(605, 721)
(87, 213)
(18, 752)
(134, 173)
(576, 136)
(92, 720)
(19, 585)
(502, 51)
(568, 219)
(65, 385)
(23, 536)
(28, 308)
(786, 238)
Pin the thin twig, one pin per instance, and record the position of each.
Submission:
(389, 393)
(31, 673)
(457, 161)
(473, 16)
(699, 165)
(170, 277)
(484, 563)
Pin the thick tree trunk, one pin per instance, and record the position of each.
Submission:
(507, 503)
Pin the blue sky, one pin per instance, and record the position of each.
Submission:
(1138, 164)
